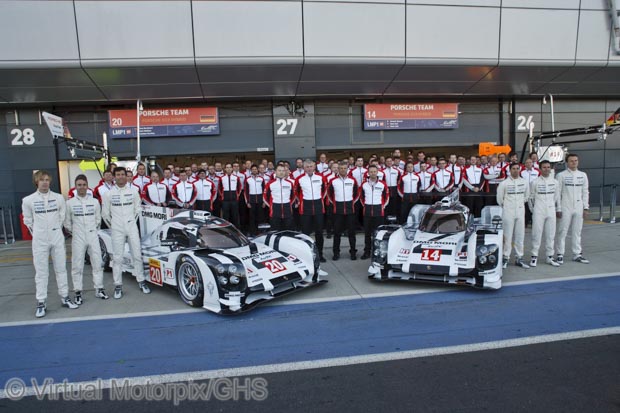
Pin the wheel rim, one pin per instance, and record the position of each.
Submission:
(189, 283)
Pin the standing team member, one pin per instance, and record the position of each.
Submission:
(374, 196)
(328, 175)
(230, 193)
(184, 192)
(392, 176)
(44, 213)
(408, 189)
(104, 186)
(206, 192)
(156, 193)
(310, 190)
(279, 197)
(544, 202)
(511, 196)
(473, 179)
(253, 193)
(426, 184)
(343, 193)
(322, 166)
(141, 180)
(529, 173)
(121, 208)
(358, 173)
(83, 220)
(443, 181)
(574, 193)
(217, 180)
(457, 169)
(493, 176)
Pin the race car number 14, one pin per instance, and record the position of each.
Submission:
(431, 255)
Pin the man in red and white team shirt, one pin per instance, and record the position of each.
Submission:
(253, 195)
(230, 194)
(73, 192)
(534, 157)
(299, 169)
(493, 175)
(279, 197)
(156, 193)
(408, 190)
(417, 166)
(358, 173)
(140, 180)
(207, 192)
(529, 173)
(169, 179)
(328, 176)
(322, 166)
(443, 180)
(310, 190)
(184, 192)
(343, 193)
(473, 187)
(374, 196)
(426, 184)
(104, 186)
(392, 176)
(514, 158)
(502, 163)
(456, 169)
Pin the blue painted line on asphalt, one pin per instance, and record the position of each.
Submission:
(129, 347)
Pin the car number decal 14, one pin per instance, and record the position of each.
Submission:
(431, 255)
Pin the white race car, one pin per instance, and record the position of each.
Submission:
(213, 265)
(441, 243)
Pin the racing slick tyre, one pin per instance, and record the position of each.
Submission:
(189, 282)
(105, 257)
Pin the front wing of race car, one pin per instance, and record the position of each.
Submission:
(463, 259)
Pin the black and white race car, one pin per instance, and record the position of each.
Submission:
(213, 265)
(442, 243)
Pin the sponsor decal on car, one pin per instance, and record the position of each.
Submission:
(430, 255)
(155, 272)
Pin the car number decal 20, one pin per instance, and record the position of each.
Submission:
(274, 266)
(155, 272)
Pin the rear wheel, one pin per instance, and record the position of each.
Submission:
(189, 282)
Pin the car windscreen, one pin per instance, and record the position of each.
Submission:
(439, 222)
(221, 237)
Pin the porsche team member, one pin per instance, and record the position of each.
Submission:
(156, 193)
(343, 194)
(322, 166)
(328, 175)
(408, 189)
(456, 169)
(230, 194)
(310, 191)
(392, 177)
(141, 179)
(529, 173)
(279, 197)
(216, 208)
(493, 175)
(574, 194)
(512, 193)
(473, 180)
(73, 191)
(426, 184)
(82, 220)
(544, 201)
(169, 179)
(104, 186)
(374, 196)
(443, 181)
(120, 210)
(253, 194)
(184, 192)
(44, 213)
(206, 192)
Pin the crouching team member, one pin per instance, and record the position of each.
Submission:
(310, 190)
(574, 194)
(343, 193)
(279, 197)
(120, 211)
(156, 193)
(544, 201)
(374, 197)
(511, 195)
(408, 188)
(44, 214)
(83, 220)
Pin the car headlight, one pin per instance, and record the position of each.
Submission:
(220, 269)
(482, 259)
(483, 250)
(234, 279)
(222, 280)
(492, 259)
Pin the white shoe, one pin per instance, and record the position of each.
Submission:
(581, 259)
(118, 292)
(101, 294)
(78, 298)
(145, 288)
(66, 302)
(533, 261)
(40, 309)
(552, 262)
(505, 263)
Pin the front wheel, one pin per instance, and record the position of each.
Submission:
(189, 282)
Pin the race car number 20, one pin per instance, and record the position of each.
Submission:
(431, 255)
(274, 266)
(155, 272)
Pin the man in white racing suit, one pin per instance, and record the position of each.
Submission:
(83, 220)
(121, 207)
(512, 193)
(44, 213)
(574, 204)
(543, 202)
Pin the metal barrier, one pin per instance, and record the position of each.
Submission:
(7, 231)
(612, 190)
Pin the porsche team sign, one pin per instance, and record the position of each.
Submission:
(159, 122)
(387, 116)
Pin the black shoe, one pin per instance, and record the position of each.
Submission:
(353, 257)
(328, 236)
(322, 259)
(336, 256)
(78, 298)
(365, 255)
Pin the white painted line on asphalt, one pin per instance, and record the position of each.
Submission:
(324, 363)
(299, 302)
